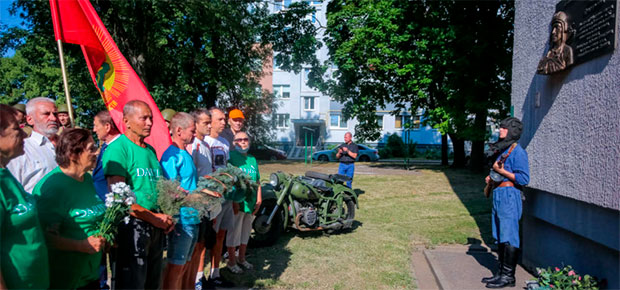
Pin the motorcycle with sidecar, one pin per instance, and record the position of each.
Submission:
(313, 202)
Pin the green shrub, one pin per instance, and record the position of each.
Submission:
(396, 145)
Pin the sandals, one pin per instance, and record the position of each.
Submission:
(246, 265)
(235, 269)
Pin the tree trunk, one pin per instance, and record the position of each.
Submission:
(459, 151)
(444, 149)
(477, 146)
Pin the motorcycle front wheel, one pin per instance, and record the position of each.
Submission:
(264, 235)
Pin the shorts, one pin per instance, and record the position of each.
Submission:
(181, 242)
(225, 220)
(241, 233)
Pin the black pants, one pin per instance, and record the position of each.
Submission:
(139, 263)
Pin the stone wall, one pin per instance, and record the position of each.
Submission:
(572, 136)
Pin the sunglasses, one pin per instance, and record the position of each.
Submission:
(242, 140)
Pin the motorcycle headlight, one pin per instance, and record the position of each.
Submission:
(274, 180)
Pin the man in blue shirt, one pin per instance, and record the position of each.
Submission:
(512, 173)
(106, 132)
(178, 165)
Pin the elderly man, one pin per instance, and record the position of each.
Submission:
(106, 132)
(140, 241)
(347, 153)
(40, 155)
(236, 121)
(225, 219)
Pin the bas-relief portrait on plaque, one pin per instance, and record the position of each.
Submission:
(580, 31)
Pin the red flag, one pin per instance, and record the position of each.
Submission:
(75, 21)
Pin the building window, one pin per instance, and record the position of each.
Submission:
(402, 121)
(282, 120)
(407, 122)
(337, 121)
(416, 122)
(309, 103)
(380, 121)
(282, 91)
(313, 2)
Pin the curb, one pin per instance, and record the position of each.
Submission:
(439, 276)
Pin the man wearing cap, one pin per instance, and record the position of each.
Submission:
(168, 114)
(21, 117)
(510, 173)
(63, 116)
(236, 121)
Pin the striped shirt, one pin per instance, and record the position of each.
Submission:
(39, 158)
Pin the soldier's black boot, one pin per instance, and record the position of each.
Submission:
(507, 278)
(500, 259)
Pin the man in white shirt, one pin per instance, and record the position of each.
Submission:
(201, 154)
(40, 154)
(200, 149)
(225, 219)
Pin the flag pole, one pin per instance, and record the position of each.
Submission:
(65, 82)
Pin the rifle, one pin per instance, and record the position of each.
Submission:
(488, 189)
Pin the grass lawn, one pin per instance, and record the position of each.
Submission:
(400, 209)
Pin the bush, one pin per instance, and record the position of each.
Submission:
(396, 145)
(565, 278)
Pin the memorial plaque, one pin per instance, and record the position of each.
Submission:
(580, 31)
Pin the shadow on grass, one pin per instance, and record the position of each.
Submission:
(270, 262)
(468, 187)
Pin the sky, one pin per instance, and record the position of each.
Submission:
(8, 19)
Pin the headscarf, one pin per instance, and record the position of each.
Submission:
(515, 127)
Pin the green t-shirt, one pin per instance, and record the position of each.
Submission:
(73, 209)
(138, 165)
(23, 253)
(248, 164)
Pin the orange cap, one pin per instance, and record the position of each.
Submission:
(236, 113)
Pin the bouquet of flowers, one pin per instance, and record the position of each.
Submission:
(117, 205)
(565, 278)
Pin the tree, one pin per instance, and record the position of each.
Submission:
(451, 58)
(188, 53)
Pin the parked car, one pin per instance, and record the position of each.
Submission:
(265, 152)
(364, 154)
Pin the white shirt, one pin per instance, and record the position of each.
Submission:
(219, 151)
(201, 153)
(39, 158)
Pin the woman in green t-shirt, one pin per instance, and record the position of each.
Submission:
(23, 254)
(244, 211)
(70, 211)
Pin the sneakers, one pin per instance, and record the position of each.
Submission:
(246, 265)
(218, 282)
(235, 269)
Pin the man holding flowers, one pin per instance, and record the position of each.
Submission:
(141, 240)
(178, 165)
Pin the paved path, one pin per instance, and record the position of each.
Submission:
(458, 267)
